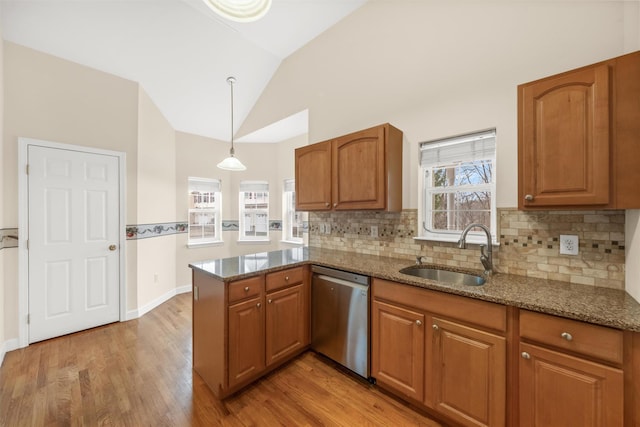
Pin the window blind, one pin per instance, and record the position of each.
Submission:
(467, 148)
(289, 185)
(254, 186)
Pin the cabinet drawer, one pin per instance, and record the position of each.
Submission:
(245, 288)
(591, 340)
(284, 278)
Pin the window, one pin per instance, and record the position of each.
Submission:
(293, 221)
(205, 203)
(254, 210)
(458, 186)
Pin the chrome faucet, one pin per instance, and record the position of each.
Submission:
(486, 258)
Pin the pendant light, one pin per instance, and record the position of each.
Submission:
(231, 163)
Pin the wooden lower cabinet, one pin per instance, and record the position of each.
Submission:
(246, 341)
(286, 323)
(245, 328)
(433, 349)
(465, 373)
(557, 389)
(397, 349)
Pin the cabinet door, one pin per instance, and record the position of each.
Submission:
(397, 349)
(286, 323)
(563, 140)
(466, 373)
(313, 177)
(246, 340)
(561, 390)
(359, 170)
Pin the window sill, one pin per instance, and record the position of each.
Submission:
(254, 242)
(291, 242)
(204, 245)
(454, 238)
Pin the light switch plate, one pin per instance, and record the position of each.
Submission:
(568, 244)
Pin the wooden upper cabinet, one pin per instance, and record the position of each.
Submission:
(313, 177)
(575, 141)
(364, 172)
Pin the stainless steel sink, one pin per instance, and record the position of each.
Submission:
(440, 275)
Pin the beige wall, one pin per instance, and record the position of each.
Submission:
(197, 156)
(156, 257)
(2, 252)
(429, 68)
(52, 99)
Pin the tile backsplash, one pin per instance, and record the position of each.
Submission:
(529, 242)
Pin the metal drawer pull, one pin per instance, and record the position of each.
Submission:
(526, 355)
(286, 278)
(435, 327)
(567, 336)
(528, 197)
(258, 305)
(270, 301)
(246, 289)
(418, 322)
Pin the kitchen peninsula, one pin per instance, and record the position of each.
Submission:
(594, 332)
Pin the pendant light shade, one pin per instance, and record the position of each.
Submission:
(231, 163)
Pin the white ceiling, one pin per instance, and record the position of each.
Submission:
(179, 51)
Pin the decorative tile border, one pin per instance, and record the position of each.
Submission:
(145, 231)
(8, 238)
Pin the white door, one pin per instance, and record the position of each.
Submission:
(74, 264)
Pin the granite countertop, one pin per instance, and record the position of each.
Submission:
(602, 306)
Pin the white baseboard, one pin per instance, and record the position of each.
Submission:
(8, 346)
(141, 311)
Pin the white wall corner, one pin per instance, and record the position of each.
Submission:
(632, 253)
(141, 311)
(8, 346)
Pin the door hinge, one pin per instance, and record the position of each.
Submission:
(27, 169)
(27, 244)
(28, 319)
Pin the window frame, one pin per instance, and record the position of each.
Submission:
(252, 187)
(426, 190)
(216, 210)
(289, 212)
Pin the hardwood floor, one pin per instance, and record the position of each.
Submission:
(138, 373)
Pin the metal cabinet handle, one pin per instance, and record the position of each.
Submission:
(526, 355)
(435, 327)
(567, 336)
(419, 322)
(246, 289)
(528, 197)
(327, 204)
(258, 305)
(335, 204)
(270, 301)
(286, 278)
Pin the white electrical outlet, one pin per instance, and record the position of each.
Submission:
(374, 231)
(568, 244)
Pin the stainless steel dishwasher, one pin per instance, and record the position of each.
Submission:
(340, 317)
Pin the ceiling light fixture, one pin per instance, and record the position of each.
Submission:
(240, 10)
(231, 163)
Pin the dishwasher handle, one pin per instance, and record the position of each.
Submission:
(341, 282)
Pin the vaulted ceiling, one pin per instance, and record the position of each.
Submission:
(179, 51)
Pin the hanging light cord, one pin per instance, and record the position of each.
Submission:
(231, 81)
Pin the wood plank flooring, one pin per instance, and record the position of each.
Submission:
(138, 373)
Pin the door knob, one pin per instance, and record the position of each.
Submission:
(112, 247)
